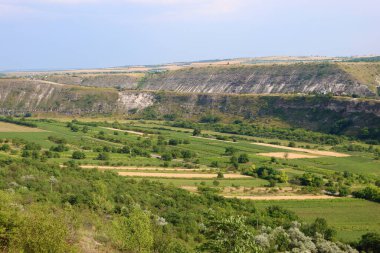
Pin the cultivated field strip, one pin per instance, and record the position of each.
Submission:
(179, 175)
(310, 151)
(99, 167)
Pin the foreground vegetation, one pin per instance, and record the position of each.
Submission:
(46, 208)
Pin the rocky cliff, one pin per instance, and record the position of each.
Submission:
(315, 112)
(315, 78)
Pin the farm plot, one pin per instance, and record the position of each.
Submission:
(350, 217)
(99, 167)
(286, 155)
(310, 151)
(13, 128)
(178, 175)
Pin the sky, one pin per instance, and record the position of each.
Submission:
(68, 34)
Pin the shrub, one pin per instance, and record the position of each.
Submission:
(167, 157)
(41, 231)
(173, 142)
(370, 243)
(103, 156)
(78, 155)
(196, 132)
(243, 158)
(133, 233)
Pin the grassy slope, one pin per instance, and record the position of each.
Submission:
(366, 73)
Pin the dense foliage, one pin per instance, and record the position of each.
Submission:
(61, 204)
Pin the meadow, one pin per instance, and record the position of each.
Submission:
(350, 217)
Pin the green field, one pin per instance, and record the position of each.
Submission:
(350, 217)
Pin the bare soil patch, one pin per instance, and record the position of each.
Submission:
(287, 155)
(7, 127)
(182, 175)
(310, 151)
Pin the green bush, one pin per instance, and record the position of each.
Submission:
(78, 155)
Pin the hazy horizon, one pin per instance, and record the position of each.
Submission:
(80, 34)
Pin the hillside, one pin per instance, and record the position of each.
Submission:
(320, 113)
(244, 76)
(321, 78)
(126, 81)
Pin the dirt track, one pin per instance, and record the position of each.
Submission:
(310, 151)
(179, 175)
(287, 155)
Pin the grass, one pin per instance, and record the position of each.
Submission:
(350, 217)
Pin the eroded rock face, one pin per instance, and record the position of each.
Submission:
(134, 101)
(279, 79)
(21, 95)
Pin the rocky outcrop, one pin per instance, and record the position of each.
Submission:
(315, 112)
(260, 79)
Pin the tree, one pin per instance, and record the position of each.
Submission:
(370, 243)
(220, 175)
(133, 233)
(243, 158)
(78, 155)
(320, 226)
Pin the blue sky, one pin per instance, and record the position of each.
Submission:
(61, 34)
